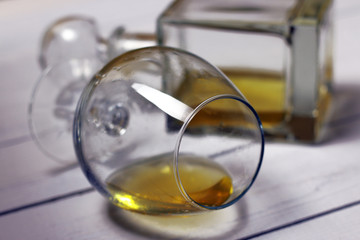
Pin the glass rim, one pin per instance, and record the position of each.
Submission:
(178, 144)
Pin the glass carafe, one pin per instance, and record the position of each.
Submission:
(279, 53)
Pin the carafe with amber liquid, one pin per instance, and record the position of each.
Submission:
(279, 53)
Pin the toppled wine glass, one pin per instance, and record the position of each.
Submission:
(189, 145)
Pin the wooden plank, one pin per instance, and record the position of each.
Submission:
(343, 224)
(89, 216)
(295, 182)
(27, 176)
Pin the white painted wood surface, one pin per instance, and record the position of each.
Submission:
(303, 192)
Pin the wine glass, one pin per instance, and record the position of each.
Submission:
(161, 131)
(72, 50)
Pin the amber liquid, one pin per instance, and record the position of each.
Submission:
(265, 91)
(150, 187)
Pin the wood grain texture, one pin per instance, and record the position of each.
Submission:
(89, 216)
(296, 182)
(338, 225)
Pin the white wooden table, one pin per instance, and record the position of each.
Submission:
(302, 192)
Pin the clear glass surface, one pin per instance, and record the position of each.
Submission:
(72, 37)
(53, 103)
(121, 41)
(161, 131)
(71, 52)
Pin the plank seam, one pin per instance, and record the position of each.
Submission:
(46, 201)
(302, 220)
